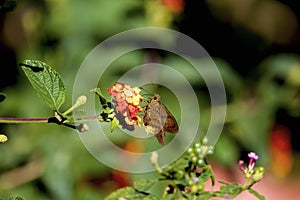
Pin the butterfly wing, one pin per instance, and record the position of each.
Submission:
(158, 119)
(153, 118)
(170, 121)
(161, 137)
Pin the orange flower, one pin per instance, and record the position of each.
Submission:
(127, 104)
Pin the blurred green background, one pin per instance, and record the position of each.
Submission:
(254, 43)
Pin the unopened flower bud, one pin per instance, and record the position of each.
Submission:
(258, 174)
(81, 100)
(204, 141)
(3, 138)
(154, 157)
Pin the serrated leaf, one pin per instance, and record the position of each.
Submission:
(259, 196)
(15, 198)
(46, 81)
(2, 97)
(129, 193)
(144, 184)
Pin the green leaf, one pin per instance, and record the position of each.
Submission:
(224, 182)
(207, 174)
(15, 198)
(46, 81)
(107, 110)
(177, 196)
(106, 106)
(259, 196)
(114, 124)
(180, 164)
(144, 184)
(204, 196)
(231, 189)
(2, 97)
(129, 193)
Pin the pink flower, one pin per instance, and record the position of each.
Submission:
(248, 170)
(253, 157)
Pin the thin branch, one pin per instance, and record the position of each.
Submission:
(11, 120)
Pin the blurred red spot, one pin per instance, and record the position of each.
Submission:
(281, 151)
(175, 6)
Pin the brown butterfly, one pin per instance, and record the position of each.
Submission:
(158, 119)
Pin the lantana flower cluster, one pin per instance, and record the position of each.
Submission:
(127, 104)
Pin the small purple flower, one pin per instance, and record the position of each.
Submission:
(253, 157)
(248, 170)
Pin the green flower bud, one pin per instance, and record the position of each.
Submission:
(81, 100)
(194, 159)
(258, 174)
(197, 145)
(201, 163)
(190, 182)
(189, 150)
(204, 141)
(179, 174)
(198, 150)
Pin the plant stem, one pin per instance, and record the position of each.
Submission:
(10, 120)
(89, 118)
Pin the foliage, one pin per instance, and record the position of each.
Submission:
(12, 198)
(186, 176)
(61, 33)
(46, 81)
(185, 179)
